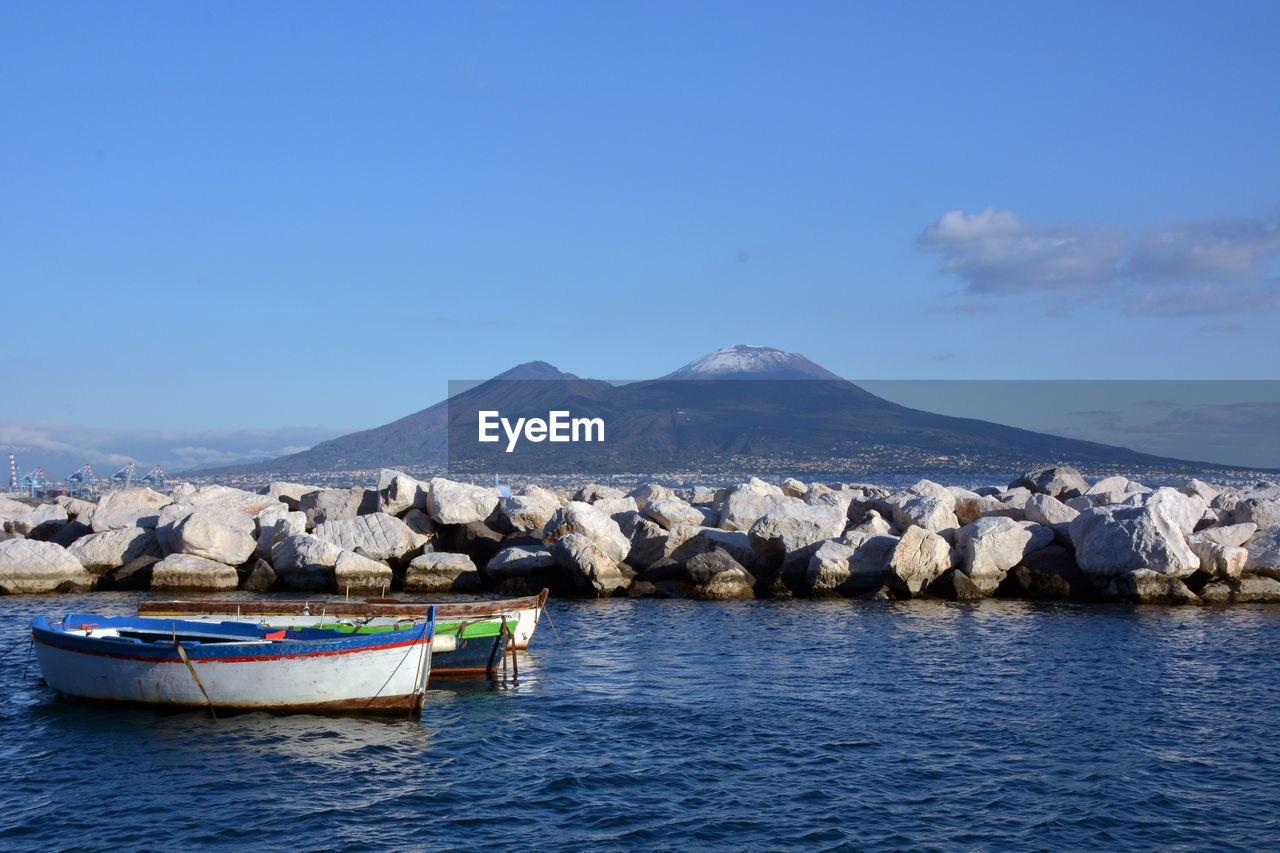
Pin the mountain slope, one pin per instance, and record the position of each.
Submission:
(738, 408)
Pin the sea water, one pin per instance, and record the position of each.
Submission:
(676, 725)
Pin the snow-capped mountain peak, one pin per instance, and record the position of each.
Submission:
(741, 361)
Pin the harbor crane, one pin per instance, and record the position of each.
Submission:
(124, 477)
(81, 484)
(154, 479)
(34, 484)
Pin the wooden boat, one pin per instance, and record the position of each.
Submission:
(373, 611)
(233, 665)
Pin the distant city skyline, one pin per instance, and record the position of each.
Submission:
(300, 219)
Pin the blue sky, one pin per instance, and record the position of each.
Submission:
(231, 215)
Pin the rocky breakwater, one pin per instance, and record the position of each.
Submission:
(1047, 535)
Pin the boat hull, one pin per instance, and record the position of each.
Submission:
(377, 673)
(527, 610)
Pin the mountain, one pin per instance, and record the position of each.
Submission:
(748, 362)
(738, 409)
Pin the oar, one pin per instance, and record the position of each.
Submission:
(182, 653)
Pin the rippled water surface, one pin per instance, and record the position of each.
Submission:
(689, 725)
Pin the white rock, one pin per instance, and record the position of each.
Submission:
(1264, 552)
(399, 492)
(28, 566)
(528, 514)
(918, 559)
(353, 573)
(42, 521)
(518, 561)
(790, 528)
(587, 565)
(838, 568)
(933, 514)
(191, 573)
(1183, 510)
(1230, 535)
(460, 503)
(250, 503)
(102, 552)
(1114, 540)
(379, 536)
(217, 532)
(990, 547)
(668, 512)
(649, 492)
(585, 519)
(1049, 511)
(1199, 487)
(746, 503)
(128, 508)
(1220, 560)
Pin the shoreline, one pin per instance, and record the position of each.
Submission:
(1047, 535)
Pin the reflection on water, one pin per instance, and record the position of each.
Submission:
(675, 724)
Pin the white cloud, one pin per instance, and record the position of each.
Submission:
(1192, 268)
(1209, 250)
(995, 252)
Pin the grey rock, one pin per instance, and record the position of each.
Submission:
(1145, 586)
(305, 563)
(1049, 573)
(1264, 512)
(614, 507)
(324, 505)
(718, 577)
(528, 514)
(289, 494)
(841, 568)
(1059, 481)
(261, 578)
(594, 492)
(648, 540)
(435, 573)
(955, 585)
